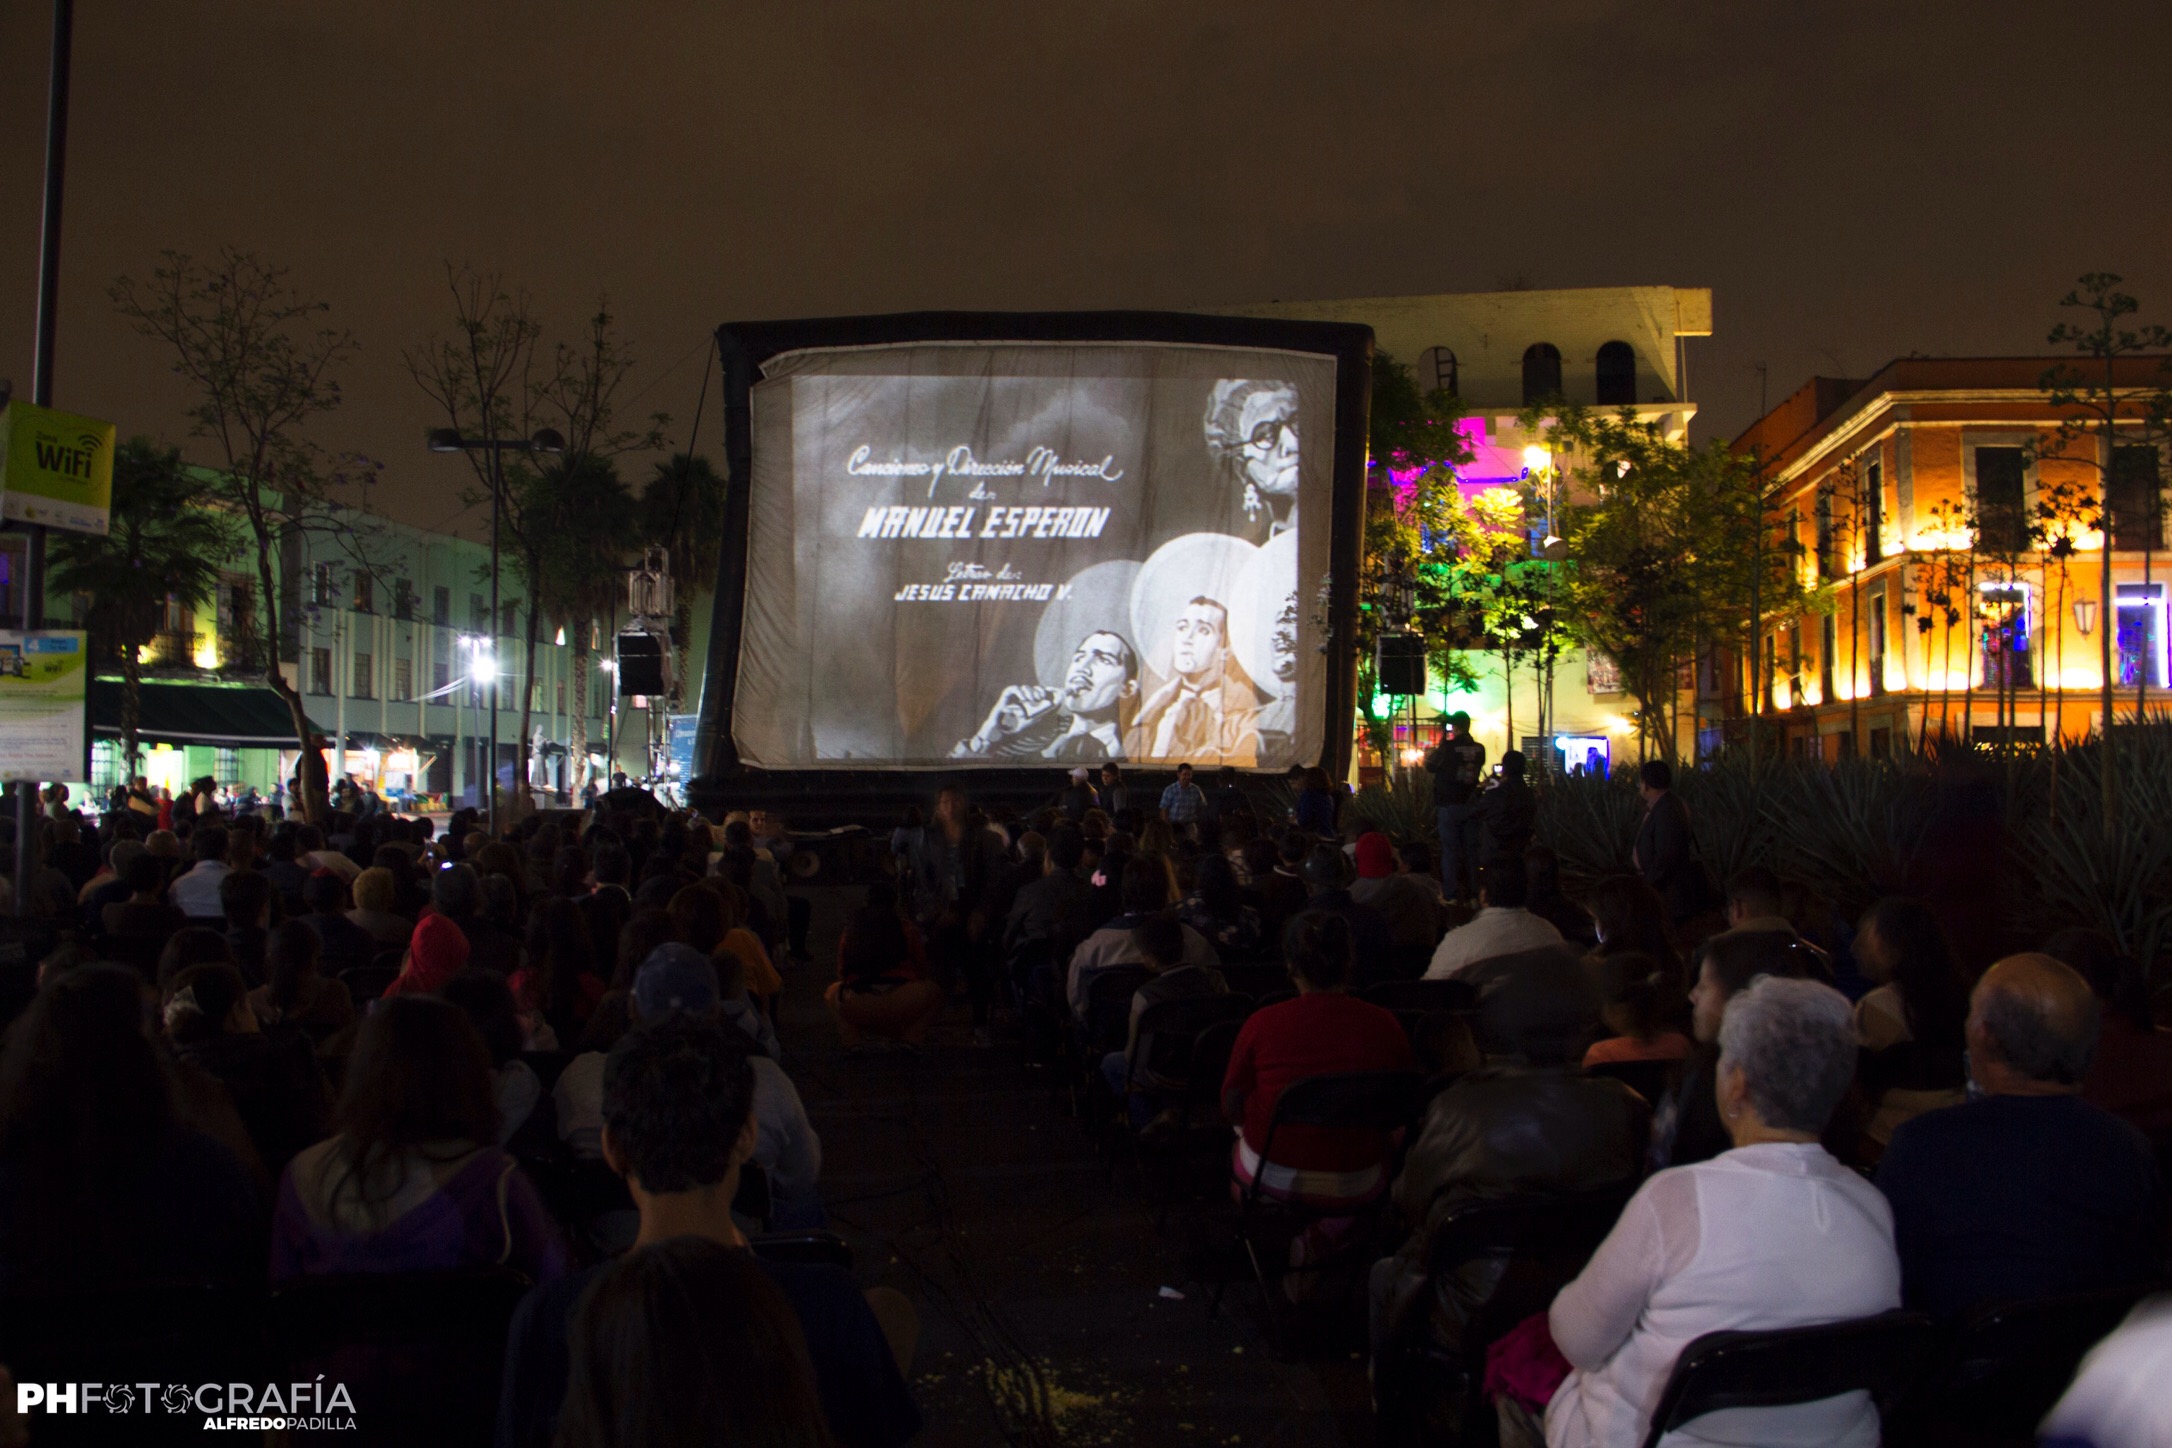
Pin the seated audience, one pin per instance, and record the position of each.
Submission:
(246, 899)
(1329, 874)
(1052, 908)
(1280, 888)
(435, 951)
(1502, 927)
(1688, 1127)
(786, 1146)
(2118, 1397)
(1408, 899)
(282, 870)
(196, 893)
(101, 1182)
(413, 1181)
(1145, 892)
(488, 1004)
(2132, 1074)
(194, 945)
(144, 914)
(271, 1073)
(882, 987)
(1639, 1004)
(1323, 1032)
(344, 944)
(375, 898)
(557, 986)
(2029, 1191)
(678, 1123)
(1543, 897)
(1159, 943)
(297, 992)
(1216, 909)
(1530, 1125)
(1771, 1234)
(1910, 1026)
(1627, 914)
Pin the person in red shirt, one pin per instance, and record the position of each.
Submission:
(1323, 1032)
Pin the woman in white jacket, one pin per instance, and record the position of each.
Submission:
(1772, 1234)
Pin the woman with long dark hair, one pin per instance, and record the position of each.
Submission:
(557, 985)
(1216, 909)
(1913, 1026)
(882, 987)
(412, 1180)
(99, 1180)
(270, 1073)
(689, 1342)
(1628, 915)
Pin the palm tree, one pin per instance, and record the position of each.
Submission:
(683, 506)
(579, 568)
(162, 545)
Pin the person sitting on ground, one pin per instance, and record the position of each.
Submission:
(1774, 1233)
(487, 1003)
(101, 1182)
(436, 949)
(2132, 1074)
(1638, 1006)
(678, 1123)
(1411, 909)
(297, 993)
(1144, 892)
(346, 945)
(1216, 908)
(1530, 1125)
(882, 987)
(246, 899)
(1543, 898)
(271, 1074)
(1323, 1032)
(1911, 1025)
(1502, 927)
(2029, 1191)
(413, 1180)
(196, 893)
(1687, 1127)
(375, 910)
(1328, 876)
(144, 915)
(1159, 943)
(786, 1146)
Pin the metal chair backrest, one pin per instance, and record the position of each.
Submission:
(2008, 1362)
(1649, 1079)
(1883, 1356)
(1108, 1005)
(1354, 1101)
(1211, 1051)
(1169, 1030)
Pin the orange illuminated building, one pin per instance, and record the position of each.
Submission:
(1954, 553)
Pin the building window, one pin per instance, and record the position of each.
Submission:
(1828, 563)
(2008, 635)
(403, 600)
(561, 708)
(365, 592)
(1877, 640)
(226, 764)
(320, 671)
(403, 680)
(2140, 643)
(478, 613)
(360, 673)
(2137, 498)
(441, 605)
(1437, 370)
(1828, 647)
(440, 677)
(1617, 374)
(320, 586)
(1541, 372)
(2002, 516)
(507, 614)
(1873, 510)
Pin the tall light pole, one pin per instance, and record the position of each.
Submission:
(451, 440)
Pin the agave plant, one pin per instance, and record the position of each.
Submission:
(1401, 807)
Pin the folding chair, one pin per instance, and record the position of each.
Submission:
(1883, 1356)
(1104, 1028)
(2007, 1363)
(1161, 1059)
(420, 1352)
(1651, 1080)
(1370, 1102)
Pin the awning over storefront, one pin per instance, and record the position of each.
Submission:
(224, 716)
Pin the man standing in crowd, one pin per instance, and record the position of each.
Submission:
(1183, 803)
(1456, 764)
(1665, 851)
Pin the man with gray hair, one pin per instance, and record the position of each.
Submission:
(2029, 1191)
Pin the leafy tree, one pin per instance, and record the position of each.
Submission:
(493, 377)
(161, 545)
(259, 362)
(2097, 402)
(580, 570)
(683, 505)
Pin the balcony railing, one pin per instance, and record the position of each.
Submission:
(173, 649)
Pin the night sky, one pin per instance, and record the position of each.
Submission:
(1855, 182)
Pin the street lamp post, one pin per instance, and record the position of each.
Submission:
(450, 440)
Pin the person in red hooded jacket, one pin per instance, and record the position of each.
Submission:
(435, 952)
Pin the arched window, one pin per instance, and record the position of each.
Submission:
(1541, 372)
(1437, 370)
(1617, 374)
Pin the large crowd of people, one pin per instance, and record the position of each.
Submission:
(265, 1053)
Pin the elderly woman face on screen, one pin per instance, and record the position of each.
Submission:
(1252, 426)
(1787, 1056)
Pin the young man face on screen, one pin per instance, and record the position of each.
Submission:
(1201, 640)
